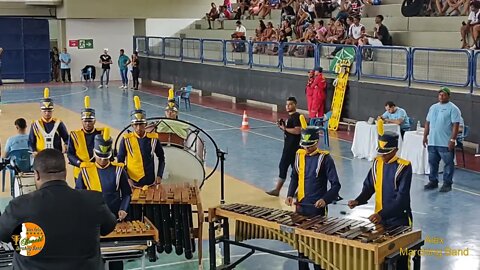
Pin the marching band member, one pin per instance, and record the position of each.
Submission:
(47, 132)
(389, 178)
(106, 177)
(169, 126)
(313, 169)
(137, 149)
(81, 141)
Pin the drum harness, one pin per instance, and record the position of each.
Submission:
(48, 137)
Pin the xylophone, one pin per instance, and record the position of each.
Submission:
(169, 206)
(6, 255)
(130, 239)
(332, 242)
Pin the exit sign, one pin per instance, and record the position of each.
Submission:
(85, 43)
(73, 43)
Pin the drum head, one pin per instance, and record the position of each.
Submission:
(181, 166)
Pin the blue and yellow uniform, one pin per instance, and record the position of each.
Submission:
(81, 142)
(47, 133)
(139, 153)
(390, 181)
(310, 176)
(111, 180)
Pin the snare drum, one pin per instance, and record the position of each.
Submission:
(168, 139)
(24, 183)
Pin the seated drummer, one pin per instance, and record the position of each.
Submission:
(137, 149)
(106, 177)
(389, 178)
(176, 127)
(313, 169)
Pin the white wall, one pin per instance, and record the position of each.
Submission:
(166, 27)
(114, 34)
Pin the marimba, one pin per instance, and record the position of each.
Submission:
(130, 240)
(6, 255)
(169, 206)
(332, 242)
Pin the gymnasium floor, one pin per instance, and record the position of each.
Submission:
(251, 167)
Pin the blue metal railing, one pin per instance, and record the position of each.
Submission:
(423, 65)
(384, 62)
(441, 66)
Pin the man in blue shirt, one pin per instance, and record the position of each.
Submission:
(441, 130)
(123, 62)
(396, 115)
(65, 60)
(19, 141)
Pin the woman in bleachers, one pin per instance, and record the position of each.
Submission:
(337, 34)
(287, 29)
(321, 32)
(212, 15)
(307, 35)
(258, 36)
(242, 7)
(303, 19)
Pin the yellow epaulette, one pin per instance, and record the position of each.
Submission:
(301, 151)
(152, 135)
(403, 162)
(100, 129)
(323, 152)
(87, 164)
(118, 164)
(129, 135)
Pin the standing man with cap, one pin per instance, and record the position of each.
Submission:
(47, 132)
(137, 150)
(291, 129)
(390, 179)
(81, 141)
(440, 136)
(109, 178)
(313, 169)
(318, 94)
(106, 61)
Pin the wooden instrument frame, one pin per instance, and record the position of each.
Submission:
(175, 194)
(219, 219)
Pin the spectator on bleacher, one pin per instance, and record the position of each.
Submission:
(272, 49)
(356, 7)
(302, 21)
(467, 28)
(324, 8)
(286, 27)
(228, 5)
(212, 15)
(311, 9)
(259, 36)
(396, 115)
(337, 33)
(242, 7)
(224, 15)
(288, 13)
(239, 34)
(381, 36)
(344, 10)
(260, 8)
(321, 32)
(269, 32)
(356, 33)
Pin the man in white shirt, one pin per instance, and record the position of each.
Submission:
(65, 60)
(356, 32)
(239, 34)
(467, 28)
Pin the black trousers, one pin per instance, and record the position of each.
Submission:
(69, 76)
(118, 265)
(135, 75)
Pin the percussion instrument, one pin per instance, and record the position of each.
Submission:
(130, 240)
(6, 255)
(331, 242)
(169, 206)
(179, 152)
(24, 183)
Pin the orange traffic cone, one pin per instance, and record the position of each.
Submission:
(245, 121)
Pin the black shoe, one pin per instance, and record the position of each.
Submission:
(273, 192)
(445, 188)
(430, 185)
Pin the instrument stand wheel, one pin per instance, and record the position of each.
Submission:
(151, 254)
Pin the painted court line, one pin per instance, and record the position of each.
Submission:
(85, 89)
(205, 259)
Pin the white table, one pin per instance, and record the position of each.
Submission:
(365, 139)
(413, 151)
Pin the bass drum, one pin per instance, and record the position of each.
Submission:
(183, 163)
(23, 184)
